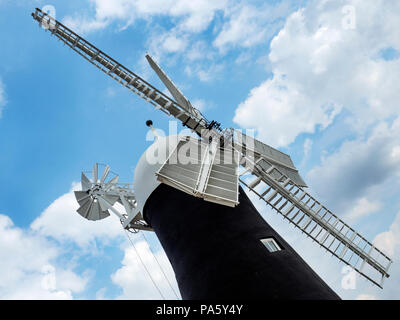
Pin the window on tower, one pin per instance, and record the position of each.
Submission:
(271, 244)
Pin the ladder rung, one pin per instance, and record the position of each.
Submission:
(322, 218)
(312, 230)
(286, 182)
(295, 215)
(315, 202)
(325, 236)
(306, 203)
(133, 79)
(167, 104)
(302, 217)
(254, 183)
(277, 201)
(113, 69)
(270, 170)
(95, 56)
(265, 192)
(294, 194)
(332, 242)
(319, 232)
(307, 223)
(319, 209)
(302, 196)
(335, 223)
(280, 209)
(289, 210)
(272, 196)
(151, 91)
(337, 248)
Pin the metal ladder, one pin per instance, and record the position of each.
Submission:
(317, 222)
(120, 73)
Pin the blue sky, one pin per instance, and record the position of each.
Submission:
(315, 78)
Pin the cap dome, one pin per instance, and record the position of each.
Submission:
(145, 179)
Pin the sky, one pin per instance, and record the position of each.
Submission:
(316, 79)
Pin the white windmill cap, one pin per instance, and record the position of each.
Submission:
(145, 180)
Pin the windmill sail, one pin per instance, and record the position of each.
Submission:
(316, 221)
(265, 154)
(203, 170)
(172, 88)
(192, 119)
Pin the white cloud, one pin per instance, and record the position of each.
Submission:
(389, 241)
(358, 170)
(249, 25)
(239, 24)
(135, 281)
(199, 50)
(173, 44)
(206, 73)
(329, 268)
(83, 25)
(161, 43)
(194, 16)
(362, 208)
(29, 268)
(61, 222)
(279, 110)
(320, 67)
(200, 104)
(307, 146)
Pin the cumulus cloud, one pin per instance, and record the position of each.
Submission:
(236, 24)
(83, 25)
(34, 259)
(347, 176)
(389, 240)
(134, 280)
(329, 268)
(194, 16)
(321, 65)
(205, 73)
(61, 222)
(248, 25)
(29, 268)
(362, 208)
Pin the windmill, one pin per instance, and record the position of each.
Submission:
(218, 244)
